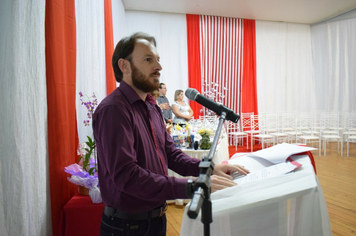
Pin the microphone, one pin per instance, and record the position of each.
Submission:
(194, 95)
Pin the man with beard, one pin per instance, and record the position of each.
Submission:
(135, 150)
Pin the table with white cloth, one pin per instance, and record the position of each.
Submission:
(221, 155)
(290, 204)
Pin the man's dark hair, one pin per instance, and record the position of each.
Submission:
(124, 48)
(160, 85)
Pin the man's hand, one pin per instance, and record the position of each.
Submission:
(221, 179)
(219, 182)
(224, 170)
(164, 106)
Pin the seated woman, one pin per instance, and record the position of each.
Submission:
(181, 109)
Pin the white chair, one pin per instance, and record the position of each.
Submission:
(274, 128)
(289, 126)
(350, 125)
(351, 138)
(237, 134)
(259, 131)
(242, 129)
(350, 134)
(331, 132)
(306, 131)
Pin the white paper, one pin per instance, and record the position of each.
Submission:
(265, 173)
(280, 152)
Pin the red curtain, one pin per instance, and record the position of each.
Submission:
(193, 46)
(109, 47)
(249, 83)
(60, 33)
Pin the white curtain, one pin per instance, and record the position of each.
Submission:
(24, 180)
(91, 72)
(285, 81)
(119, 20)
(334, 57)
(170, 31)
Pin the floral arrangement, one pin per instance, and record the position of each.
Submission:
(205, 143)
(85, 173)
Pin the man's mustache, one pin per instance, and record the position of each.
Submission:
(156, 73)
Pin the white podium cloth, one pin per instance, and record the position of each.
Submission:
(291, 204)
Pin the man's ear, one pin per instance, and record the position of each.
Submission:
(124, 65)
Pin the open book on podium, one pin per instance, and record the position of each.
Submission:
(267, 163)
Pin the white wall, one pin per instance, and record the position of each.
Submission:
(285, 77)
(334, 60)
(170, 32)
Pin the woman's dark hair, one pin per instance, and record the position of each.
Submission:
(124, 48)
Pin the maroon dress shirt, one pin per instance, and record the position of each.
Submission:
(133, 161)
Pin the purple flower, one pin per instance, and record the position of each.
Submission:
(90, 106)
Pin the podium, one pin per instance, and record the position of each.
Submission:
(291, 204)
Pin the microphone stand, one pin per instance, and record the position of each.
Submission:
(200, 190)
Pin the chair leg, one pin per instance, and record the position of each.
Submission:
(342, 147)
(347, 147)
(251, 144)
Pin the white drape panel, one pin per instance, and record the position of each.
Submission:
(170, 31)
(221, 50)
(24, 181)
(91, 72)
(334, 57)
(285, 81)
(118, 20)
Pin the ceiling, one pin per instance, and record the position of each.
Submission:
(296, 11)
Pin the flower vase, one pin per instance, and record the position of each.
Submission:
(83, 190)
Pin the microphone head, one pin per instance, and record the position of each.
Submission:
(191, 94)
